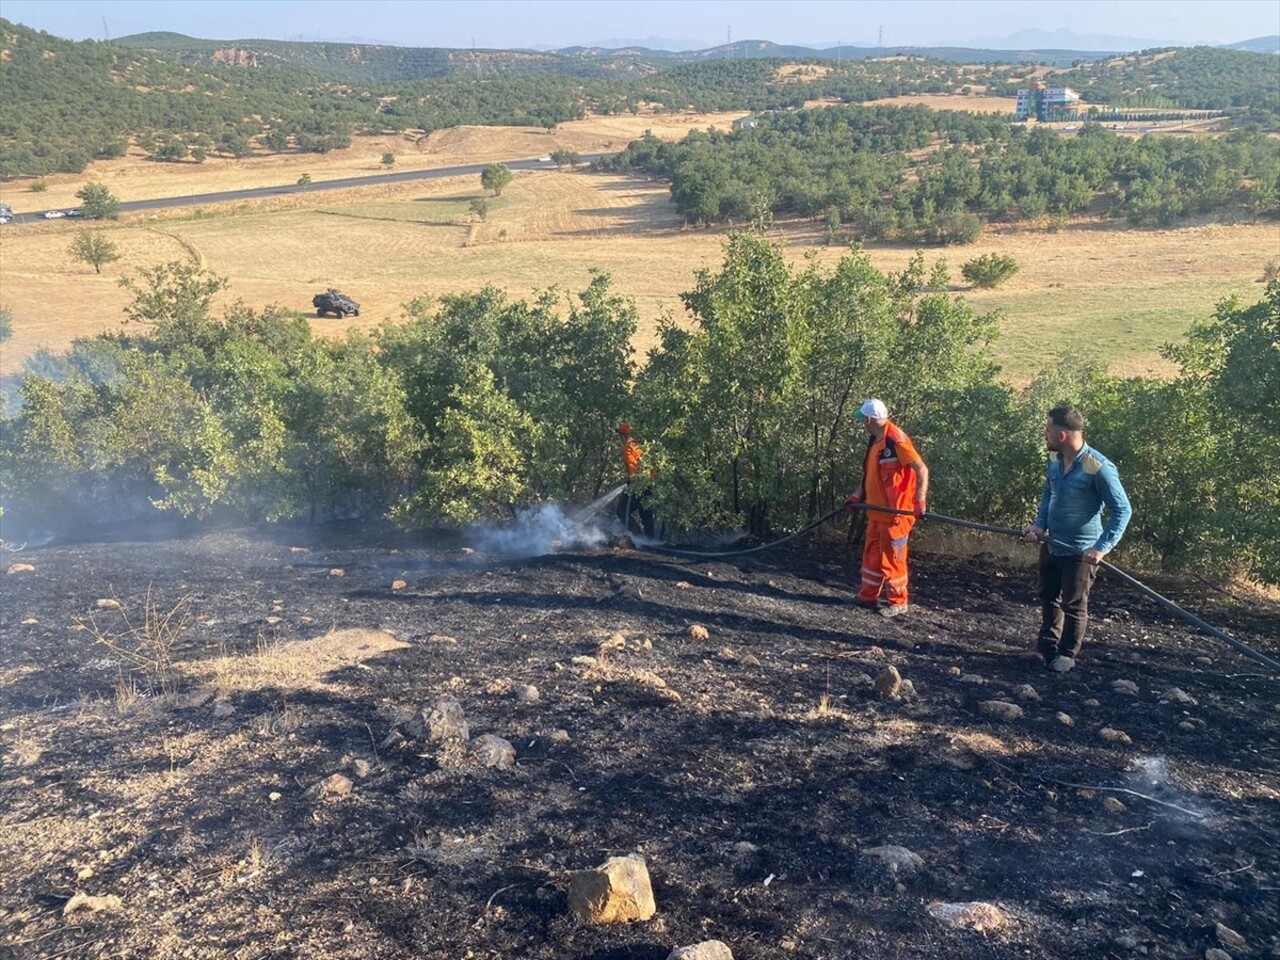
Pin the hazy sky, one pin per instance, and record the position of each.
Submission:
(556, 23)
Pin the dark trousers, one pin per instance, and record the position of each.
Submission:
(1064, 603)
(631, 503)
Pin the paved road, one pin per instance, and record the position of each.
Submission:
(471, 169)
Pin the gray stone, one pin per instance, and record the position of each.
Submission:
(493, 751)
(223, 709)
(1178, 695)
(1001, 709)
(889, 683)
(1126, 687)
(440, 722)
(527, 693)
(975, 915)
(1026, 692)
(83, 901)
(1229, 938)
(898, 861)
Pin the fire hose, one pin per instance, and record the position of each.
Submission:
(1142, 588)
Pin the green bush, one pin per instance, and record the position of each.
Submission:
(989, 270)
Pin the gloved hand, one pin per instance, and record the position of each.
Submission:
(851, 502)
(918, 508)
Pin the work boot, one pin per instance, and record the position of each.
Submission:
(1061, 664)
(891, 610)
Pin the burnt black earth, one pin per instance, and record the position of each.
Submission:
(751, 767)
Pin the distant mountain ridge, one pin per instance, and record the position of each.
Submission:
(380, 62)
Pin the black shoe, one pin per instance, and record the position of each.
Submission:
(865, 604)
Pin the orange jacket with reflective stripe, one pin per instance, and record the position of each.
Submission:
(888, 478)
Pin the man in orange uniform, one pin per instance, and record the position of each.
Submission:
(893, 476)
(633, 500)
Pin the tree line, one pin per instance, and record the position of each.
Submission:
(478, 404)
(931, 176)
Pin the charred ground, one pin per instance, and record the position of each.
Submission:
(751, 769)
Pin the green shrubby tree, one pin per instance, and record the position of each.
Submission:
(97, 202)
(495, 177)
(989, 270)
(94, 248)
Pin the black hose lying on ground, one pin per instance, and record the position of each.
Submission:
(1142, 588)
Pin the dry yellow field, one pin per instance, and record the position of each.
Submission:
(1090, 290)
(952, 101)
(136, 178)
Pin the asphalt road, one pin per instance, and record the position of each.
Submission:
(371, 180)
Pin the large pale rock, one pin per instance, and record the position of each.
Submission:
(20, 568)
(706, 950)
(975, 915)
(440, 722)
(615, 892)
(493, 751)
(1126, 687)
(1178, 695)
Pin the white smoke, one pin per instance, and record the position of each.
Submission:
(549, 528)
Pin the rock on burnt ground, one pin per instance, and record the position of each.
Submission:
(245, 769)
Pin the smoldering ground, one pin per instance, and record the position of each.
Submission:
(756, 752)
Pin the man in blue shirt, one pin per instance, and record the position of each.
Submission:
(1080, 481)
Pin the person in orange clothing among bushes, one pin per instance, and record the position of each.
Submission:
(634, 500)
(893, 476)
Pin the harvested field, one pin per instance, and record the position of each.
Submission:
(1092, 289)
(755, 769)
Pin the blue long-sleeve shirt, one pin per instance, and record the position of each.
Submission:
(1071, 503)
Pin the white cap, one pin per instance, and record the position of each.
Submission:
(874, 409)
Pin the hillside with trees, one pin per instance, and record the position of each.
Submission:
(181, 99)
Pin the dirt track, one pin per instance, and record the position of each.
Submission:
(751, 769)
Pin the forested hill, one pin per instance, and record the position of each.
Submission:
(179, 99)
(374, 63)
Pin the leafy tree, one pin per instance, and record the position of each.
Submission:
(171, 150)
(38, 186)
(494, 177)
(565, 158)
(989, 270)
(97, 202)
(6, 324)
(480, 207)
(388, 160)
(304, 179)
(174, 299)
(94, 248)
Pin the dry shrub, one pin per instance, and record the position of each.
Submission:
(1271, 270)
(146, 648)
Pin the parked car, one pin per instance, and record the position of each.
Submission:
(74, 213)
(54, 215)
(4, 220)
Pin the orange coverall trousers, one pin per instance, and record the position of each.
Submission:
(884, 564)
